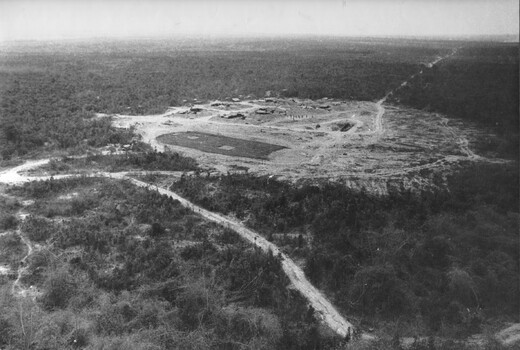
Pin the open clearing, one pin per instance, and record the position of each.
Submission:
(364, 144)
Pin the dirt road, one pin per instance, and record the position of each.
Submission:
(379, 104)
(324, 310)
(12, 176)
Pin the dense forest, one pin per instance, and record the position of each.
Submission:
(125, 267)
(49, 97)
(478, 83)
(442, 263)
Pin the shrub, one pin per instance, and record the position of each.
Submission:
(244, 324)
(379, 290)
(196, 305)
(462, 287)
(157, 230)
(228, 237)
(6, 330)
(79, 338)
(37, 228)
(8, 222)
(109, 322)
(58, 288)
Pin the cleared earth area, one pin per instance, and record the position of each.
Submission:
(360, 143)
(371, 145)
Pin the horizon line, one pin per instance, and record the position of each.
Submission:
(513, 37)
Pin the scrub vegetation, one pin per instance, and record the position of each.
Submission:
(122, 267)
(133, 160)
(443, 263)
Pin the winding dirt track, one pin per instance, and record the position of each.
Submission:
(16, 288)
(324, 310)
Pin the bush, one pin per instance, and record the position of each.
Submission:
(6, 330)
(109, 322)
(462, 287)
(228, 237)
(157, 230)
(244, 324)
(379, 290)
(79, 338)
(37, 228)
(58, 289)
(197, 304)
(8, 222)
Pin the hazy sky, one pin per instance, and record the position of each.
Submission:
(58, 19)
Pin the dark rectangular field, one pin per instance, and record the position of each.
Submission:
(228, 146)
